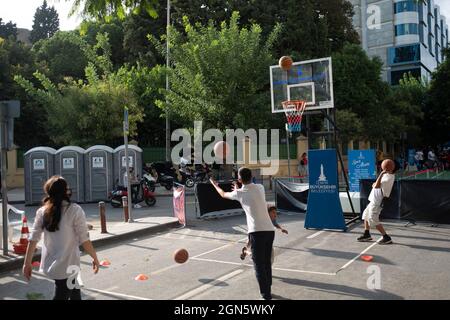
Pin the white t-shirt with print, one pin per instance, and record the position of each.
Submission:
(253, 200)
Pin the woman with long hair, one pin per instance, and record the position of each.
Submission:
(64, 227)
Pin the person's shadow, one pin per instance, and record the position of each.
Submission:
(342, 289)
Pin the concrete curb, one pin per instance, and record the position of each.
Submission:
(17, 263)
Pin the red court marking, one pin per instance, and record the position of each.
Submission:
(141, 277)
(105, 263)
(367, 258)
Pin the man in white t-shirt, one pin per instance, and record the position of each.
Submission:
(381, 189)
(261, 231)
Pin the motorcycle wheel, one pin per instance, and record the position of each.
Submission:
(150, 201)
(168, 186)
(189, 183)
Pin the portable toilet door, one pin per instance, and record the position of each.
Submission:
(98, 172)
(135, 161)
(39, 167)
(69, 163)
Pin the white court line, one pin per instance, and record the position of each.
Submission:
(120, 295)
(273, 268)
(207, 286)
(315, 234)
(219, 248)
(354, 259)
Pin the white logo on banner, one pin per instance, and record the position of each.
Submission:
(68, 163)
(38, 164)
(322, 185)
(97, 162)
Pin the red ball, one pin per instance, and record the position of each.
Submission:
(285, 63)
(181, 256)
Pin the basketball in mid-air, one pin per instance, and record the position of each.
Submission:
(285, 63)
(181, 256)
(221, 149)
(388, 165)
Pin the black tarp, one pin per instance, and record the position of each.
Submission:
(416, 200)
(425, 200)
(291, 196)
(391, 208)
(210, 203)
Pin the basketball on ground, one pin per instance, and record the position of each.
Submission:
(181, 256)
(388, 165)
(285, 63)
(221, 149)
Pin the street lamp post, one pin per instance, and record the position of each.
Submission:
(167, 84)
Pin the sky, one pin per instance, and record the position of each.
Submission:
(21, 12)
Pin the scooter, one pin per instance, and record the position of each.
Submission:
(144, 193)
(164, 172)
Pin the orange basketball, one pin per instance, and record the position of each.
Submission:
(285, 63)
(388, 165)
(181, 256)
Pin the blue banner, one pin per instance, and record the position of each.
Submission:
(324, 209)
(361, 165)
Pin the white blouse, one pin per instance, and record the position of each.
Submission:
(60, 249)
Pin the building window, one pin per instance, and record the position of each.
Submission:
(406, 6)
(397, 75)
(404, 54)
(406, 28)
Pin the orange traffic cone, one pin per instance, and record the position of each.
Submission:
(21, 246)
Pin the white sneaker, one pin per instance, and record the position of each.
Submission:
(137, 206)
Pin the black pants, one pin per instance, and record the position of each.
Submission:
(62, 292)
(262, 243)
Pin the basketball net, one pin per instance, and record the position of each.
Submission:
(294, 111)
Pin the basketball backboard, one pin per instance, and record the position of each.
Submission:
(310, 80)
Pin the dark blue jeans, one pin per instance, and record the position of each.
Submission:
(262, 242)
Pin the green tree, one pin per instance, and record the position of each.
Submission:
(96, 106)
(8, 29)
(220, 75)
(407, 102)
(115, 30)
(137, 47)
(45, 23)
(358, 88)
(17, 58)
(311, 28)
(106, 9)
(437, 109)
(146, 83)
(64, 55)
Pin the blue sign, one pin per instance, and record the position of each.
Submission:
(361, 165)
(324, 209)
(411, 155)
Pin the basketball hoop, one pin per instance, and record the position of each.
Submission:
(294, 111)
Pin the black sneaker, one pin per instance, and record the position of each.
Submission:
(365, 237)
(244, 253)
(386, 240)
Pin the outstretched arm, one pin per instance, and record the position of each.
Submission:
(223, 194)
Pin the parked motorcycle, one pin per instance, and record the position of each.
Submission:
(190, 177)
(164, 173)
(144, 193)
